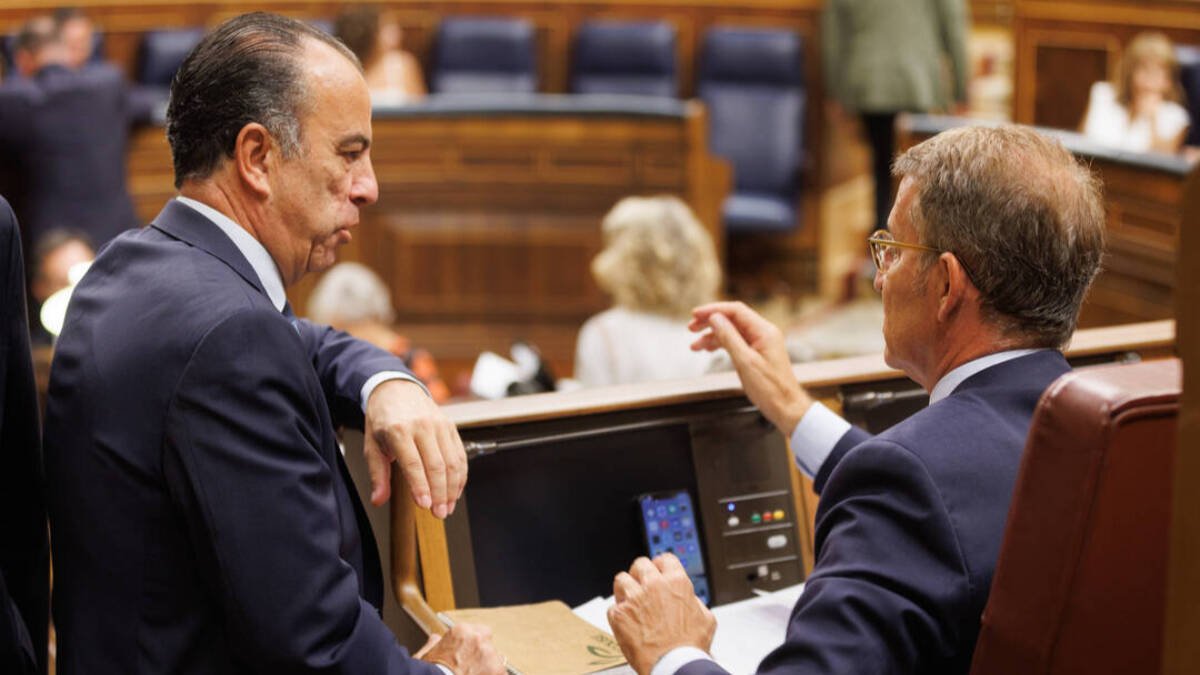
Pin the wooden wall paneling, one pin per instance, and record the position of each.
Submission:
(1181, 650)
(1066, 65)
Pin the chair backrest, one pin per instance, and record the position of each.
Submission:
(484, 55)
(1189, 79)
(625, 57)
(1081, 580)
(163, 51)
(753, 84)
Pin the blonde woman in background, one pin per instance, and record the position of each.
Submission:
(352, 298)
(1141, 112)
(658, 263)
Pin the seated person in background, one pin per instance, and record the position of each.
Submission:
(54, 255)
(658, 262)
(393, 75)
(352, 298)
(982, 274)
(65, 130)
(1141, 112)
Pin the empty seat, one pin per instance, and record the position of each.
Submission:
(1189, 79)
(620, 57)
(162, 52)
(484, 55)
(752, 82)
(1080, 586)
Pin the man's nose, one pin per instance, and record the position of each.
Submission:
(365, 189)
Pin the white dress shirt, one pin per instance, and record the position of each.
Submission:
(272, 282)
(812, 442)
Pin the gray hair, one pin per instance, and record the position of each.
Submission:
(1023, 216)
(657, 257)
(245, 71)
(349, 293)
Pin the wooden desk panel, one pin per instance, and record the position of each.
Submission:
(487, 221)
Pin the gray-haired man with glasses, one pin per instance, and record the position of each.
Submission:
(995, 236)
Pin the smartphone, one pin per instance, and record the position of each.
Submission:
(669, 523)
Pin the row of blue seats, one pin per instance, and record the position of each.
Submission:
(751, 80)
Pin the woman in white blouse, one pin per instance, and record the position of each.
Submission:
(658, 263)
(1141, 113)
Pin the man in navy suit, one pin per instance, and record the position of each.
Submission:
(994, 239)
(24, 546)
(67, 130)
(202, 517)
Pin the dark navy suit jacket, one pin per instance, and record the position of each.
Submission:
(24, 547)
(202, 517)
(67, 131)
(908, 532)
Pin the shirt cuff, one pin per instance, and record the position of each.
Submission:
(444, 669)
(678, 658)
(377, 379)
(816, 436)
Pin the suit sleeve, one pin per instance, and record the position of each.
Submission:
(242, 459)
(344, 364)
(889, 589)
(25, 554)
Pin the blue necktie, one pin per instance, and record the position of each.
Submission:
(291, 316)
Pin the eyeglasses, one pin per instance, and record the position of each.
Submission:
(885, 251)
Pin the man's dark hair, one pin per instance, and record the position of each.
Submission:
(245, 71)
(35, 34)
(65, 14)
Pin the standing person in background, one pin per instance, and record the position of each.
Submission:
(78, 35)
(393, 75)
(658, 262)
(1141, 111)
(883, 57)
(66, 131)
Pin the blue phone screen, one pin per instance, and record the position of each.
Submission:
(670, 524)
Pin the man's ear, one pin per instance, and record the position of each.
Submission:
(953, 285)
(255, 154)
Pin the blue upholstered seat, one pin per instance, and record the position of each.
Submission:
(752, 81)
(162, 52)
(484, 55)
(1189, 78)
(624, 57)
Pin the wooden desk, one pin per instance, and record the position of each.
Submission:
(1143, 194)
(489, 211)
(825, 380)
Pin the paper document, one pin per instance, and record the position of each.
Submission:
(747, 630)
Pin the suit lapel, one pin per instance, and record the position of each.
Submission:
(184, 223)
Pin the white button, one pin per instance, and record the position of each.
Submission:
(733, 521)
(762, 571)
(777, 541)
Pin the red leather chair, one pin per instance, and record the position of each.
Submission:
(1080, 585)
